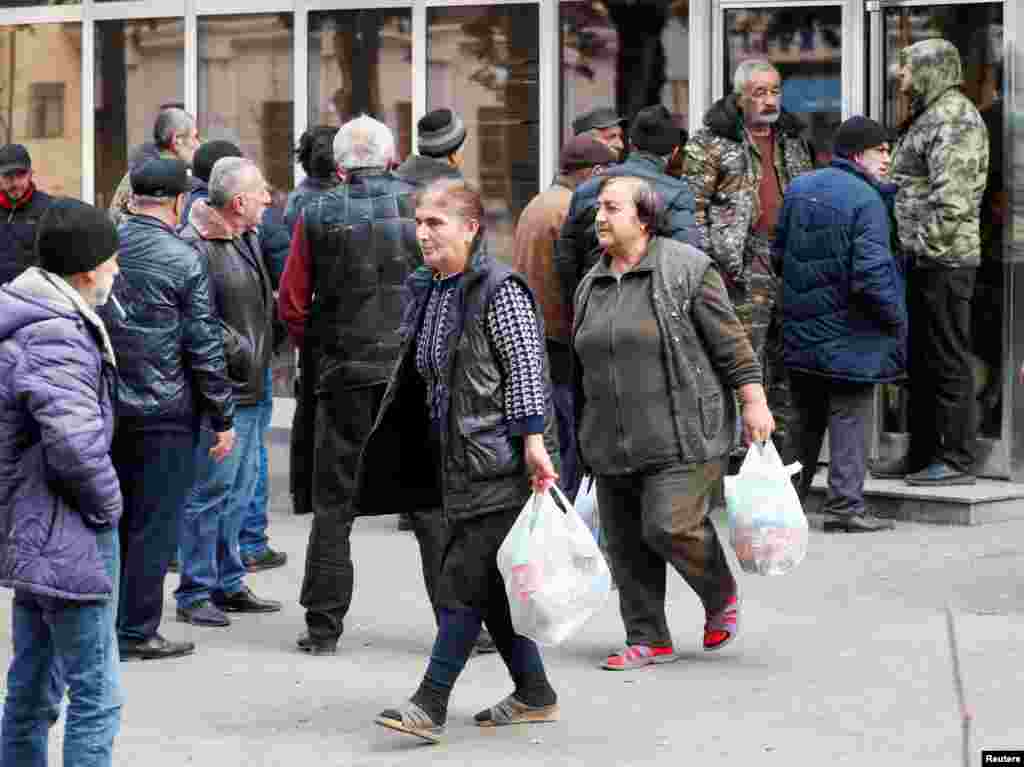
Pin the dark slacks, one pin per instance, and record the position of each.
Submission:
(344, 419)
(300, 457)
(156, 471)
(565, 416)
(659, 517)
(844, 409)
(941, 384)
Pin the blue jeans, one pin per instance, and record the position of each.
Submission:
(61, 644)
(210, 557)
(253, 537)
(565, 417)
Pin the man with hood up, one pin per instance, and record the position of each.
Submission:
(940, 165)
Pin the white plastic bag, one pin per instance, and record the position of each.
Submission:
(555, 575)
(586, 507)
(768, 529)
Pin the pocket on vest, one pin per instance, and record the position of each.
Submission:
(712, 410)
(490, 451)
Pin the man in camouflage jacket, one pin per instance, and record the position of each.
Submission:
(725, 166)
(940, 166)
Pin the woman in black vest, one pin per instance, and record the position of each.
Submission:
(472, 385)
(658, 352)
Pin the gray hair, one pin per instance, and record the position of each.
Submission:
(747, 69)
(227, 179)
(364, 143)
(170, 123)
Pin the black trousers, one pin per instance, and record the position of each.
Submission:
(300, 458)
(941, 384)
(343, 422)
(844, 409)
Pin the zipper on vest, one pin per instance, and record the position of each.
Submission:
(619, 431)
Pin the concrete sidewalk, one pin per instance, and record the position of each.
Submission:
(845, 660)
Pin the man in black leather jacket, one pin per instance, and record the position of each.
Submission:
(222, 229)
(171, 374)
(352, 248)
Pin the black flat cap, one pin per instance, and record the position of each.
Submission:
(162, 177)
(14, 157)
(602, 117)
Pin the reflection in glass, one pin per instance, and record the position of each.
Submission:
(139, 69)
(614, 56)
(245, 91)
(361, 61)
(482, 63)
(804, 44)
(40, 101)
(977, 32)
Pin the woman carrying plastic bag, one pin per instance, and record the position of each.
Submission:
(768, 529)
(555, 574)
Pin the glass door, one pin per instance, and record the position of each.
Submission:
(976, 29)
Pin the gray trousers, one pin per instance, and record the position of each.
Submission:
(844, 409)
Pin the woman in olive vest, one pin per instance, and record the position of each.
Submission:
(472, 385)
(658, 353)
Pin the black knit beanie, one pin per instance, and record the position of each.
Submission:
(857, 134)
(439, 133)
(208, 154)
(653, 130)
(74, 237)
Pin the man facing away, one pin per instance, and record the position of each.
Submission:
(940, 167)
(441, 141)
(59, 495)
(844, 317)
(21, 207)
(172, 376)
(176, 137)
(534, 257)
(352, 250)
(222, 229)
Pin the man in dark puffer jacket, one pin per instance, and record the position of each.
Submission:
(172, 374)
(844, 316)
(353, 249)
(59, 495)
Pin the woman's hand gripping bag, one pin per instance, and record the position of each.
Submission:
(768, 529)
(555, 575)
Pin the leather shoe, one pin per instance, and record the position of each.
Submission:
(317, 645)
(484, 644)
(154, 648)
(245, 601)
(857, 523)
(268, 560)
(940, 474)
(894, 469)
(203, 613)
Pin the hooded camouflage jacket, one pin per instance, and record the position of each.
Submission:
(940, 162)
(723, 167)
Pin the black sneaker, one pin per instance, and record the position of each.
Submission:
(203, 613)
(268, 560)
(894, 469)
(484, 644)
(940, 474)
(317, 645)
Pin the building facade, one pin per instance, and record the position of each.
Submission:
(80, 84)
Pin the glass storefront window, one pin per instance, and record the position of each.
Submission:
(482, 63)
(977, 32)
(361, 61)
(613, 56)
(245, 91)
(40, 101)
(804, 44)
(139, 69)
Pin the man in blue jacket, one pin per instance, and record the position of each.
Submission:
(59, 495)
(844, 317)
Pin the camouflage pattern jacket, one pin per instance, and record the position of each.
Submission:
(940, 163)
(723, 167)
